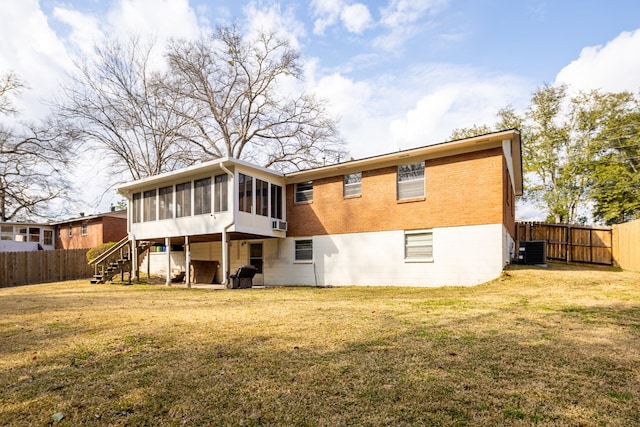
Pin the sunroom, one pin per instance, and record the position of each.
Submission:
(190, 218)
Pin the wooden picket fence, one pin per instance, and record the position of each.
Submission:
(626, 245)
(570, 243)
(21, 268)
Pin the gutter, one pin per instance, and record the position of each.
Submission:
(226, 262)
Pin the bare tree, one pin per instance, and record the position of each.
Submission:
(120, 105)
(244, 106)
(33, 160)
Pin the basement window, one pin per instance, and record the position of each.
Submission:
(418, 246)
(304, 250)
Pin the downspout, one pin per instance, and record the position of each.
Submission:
(226, 262)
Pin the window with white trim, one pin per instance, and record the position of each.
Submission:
(84, 230)
(353, 184)
(202, 196)
(418, 246)
(137, 207)
(6, 232)
(304, 192)
(411, 181)
(245, 193)
(276, 201)
(149, 205)
(183, 199)
(304, 250)
(34, 234)
(165, 202)
(262, 197)
(220, 193)
(48, 237)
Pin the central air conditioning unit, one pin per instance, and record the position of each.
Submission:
(533, 252)
(279, 225)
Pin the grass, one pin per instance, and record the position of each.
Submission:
(554, 346)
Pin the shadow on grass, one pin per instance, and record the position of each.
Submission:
(576, 365)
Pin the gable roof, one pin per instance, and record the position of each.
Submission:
(116, 214)
(449, 148)
(509, 140)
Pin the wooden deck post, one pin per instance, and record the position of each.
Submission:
(187, 261)
(167, 244)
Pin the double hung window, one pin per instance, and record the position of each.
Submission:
(353, 184)
(411, 181)
(304, 192)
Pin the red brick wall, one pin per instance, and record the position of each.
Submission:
(509, 214)
(99, 230)
(113, 229)
(466, 189)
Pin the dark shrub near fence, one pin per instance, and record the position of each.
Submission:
(21, 268)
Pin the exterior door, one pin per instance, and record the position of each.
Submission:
(255, 259)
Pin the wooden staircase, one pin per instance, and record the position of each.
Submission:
(116, 260)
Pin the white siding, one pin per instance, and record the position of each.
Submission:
(461, 256)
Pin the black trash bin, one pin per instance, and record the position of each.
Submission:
(243, 278)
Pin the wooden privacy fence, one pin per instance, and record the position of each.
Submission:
(570, 243)
(21, 268)
(626, 245)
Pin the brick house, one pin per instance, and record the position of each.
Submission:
(89, 231)
(442, 214)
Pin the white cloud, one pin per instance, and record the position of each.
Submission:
(327, 13)
(85, 30)
(402, 18)
(161, 19)
(356, 18)
(613, 67)
(31, 49)
(462, 98)
(387, 114)
(272, 18)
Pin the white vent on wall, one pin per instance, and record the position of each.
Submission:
(279, 225)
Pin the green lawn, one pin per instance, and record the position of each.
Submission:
(554, 346)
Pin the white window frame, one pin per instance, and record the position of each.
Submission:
(202, 196)
(352, 185)
(84, 229)
(304, 192)
(410, 177)
(410, 242)
(297, 250)
(47, 237)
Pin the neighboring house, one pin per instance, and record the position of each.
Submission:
(23, 237)
(443, 214)
(90, 231)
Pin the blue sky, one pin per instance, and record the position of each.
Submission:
(398, 73)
